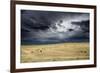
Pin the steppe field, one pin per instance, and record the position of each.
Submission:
(54, 52)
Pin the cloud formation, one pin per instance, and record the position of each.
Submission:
(53, 27)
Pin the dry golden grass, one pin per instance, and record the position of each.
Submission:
(54, 52)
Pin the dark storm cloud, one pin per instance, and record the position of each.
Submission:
(52, 27)
(83, 24)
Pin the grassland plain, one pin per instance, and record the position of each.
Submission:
(54, 52)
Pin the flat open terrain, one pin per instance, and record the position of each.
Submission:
(54, 52)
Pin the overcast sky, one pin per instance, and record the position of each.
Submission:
(53, 27)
